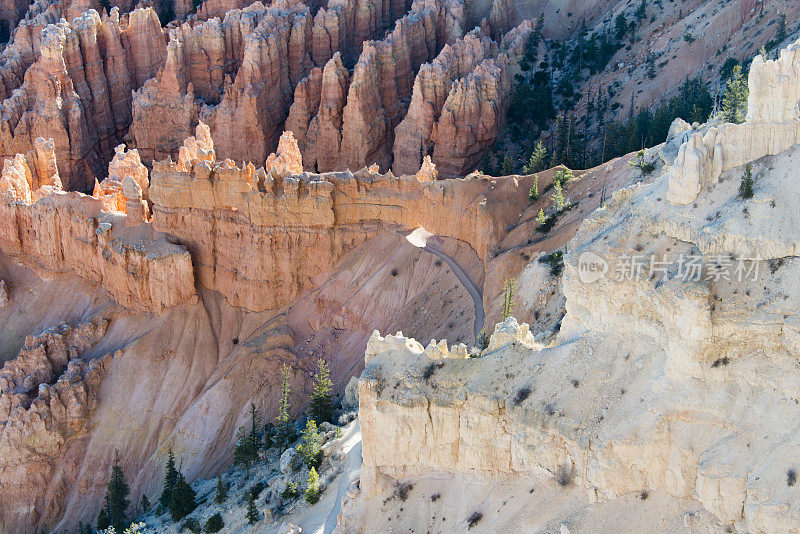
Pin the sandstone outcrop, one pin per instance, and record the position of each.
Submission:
(78, 92)
(29, 177)
(125, 164)
(772, 126)
(608, 414)
(245, 225)
(3, 294)
(70, 232)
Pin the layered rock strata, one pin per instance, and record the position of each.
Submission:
(260, 236)
(78, 92)
(70, 232)
(772, 126)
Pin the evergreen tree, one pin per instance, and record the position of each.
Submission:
(538, 159)
(321, 408)
(269, 436)
(312, 490)
(254, 419)
(283, 423)
(509, 288)
(533, 192)
(310, 449)
(620, 27)
(102, 520)
(222, 492)
(540, 218)
(145, 504)
(651, 65)
(641, 11)
(117, 501)
(746, 187)
(734, 102)
(183, 499)
(252, 511)
(557, 196)
(169, 482)
(507, 166)
(246, 450)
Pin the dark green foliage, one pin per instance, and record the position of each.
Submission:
(726, 70)
(548, 223)
(192, 524)
(538, 159)
(166, 12)
(102, 520)
(651, 65)
(746, 187)
(169, 482)
(310, 449)
(222, 491)
(621, 27)
(640, 163)
(555, 260)
(734, 101)
(214, 523)
(116, 500)
(252, 511)
(269, 436)
(321, 407)
(145, 504)
(473, 519)
(290, 491)
(482, 341)
(246, 450)
(183, 499)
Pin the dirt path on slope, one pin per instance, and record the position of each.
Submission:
(477, 297)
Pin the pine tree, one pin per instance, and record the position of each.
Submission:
(507, 166)
(641, 11)
(183, 499)
(734, 102)
(117, 501)
(252, 511)
(312, 490)
(310, 449)
(541, 219)
(533, 192)
(246, 450)
(145, 504)
(254, 419)
(538, 158)
(557, 196)
(222, 492)
(746, 187)
(509, 288)
(102, 520)
(283, 422)
(321, 408)
(169, 482)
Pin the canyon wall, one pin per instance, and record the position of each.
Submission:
(78, 91)
(691, 403)
(260, 236)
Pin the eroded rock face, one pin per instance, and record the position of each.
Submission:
(772, 126)
(31, 176)
(245, 225)
(79, 90)
(71, 232)
(609, 412)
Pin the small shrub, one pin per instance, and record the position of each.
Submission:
(548, 224)
(290, 491)
(482, 341)
(791, 477)
(746, 187)
(431, 368)
(555, 260)
(522, 394)
(435, 497)
(192, 524)
(644, 495)
(402, 491)
(395, 272)
(214, 523)
(563, 475)
(720, 361)
(312, 491)
(473, 519)
(235, 341)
